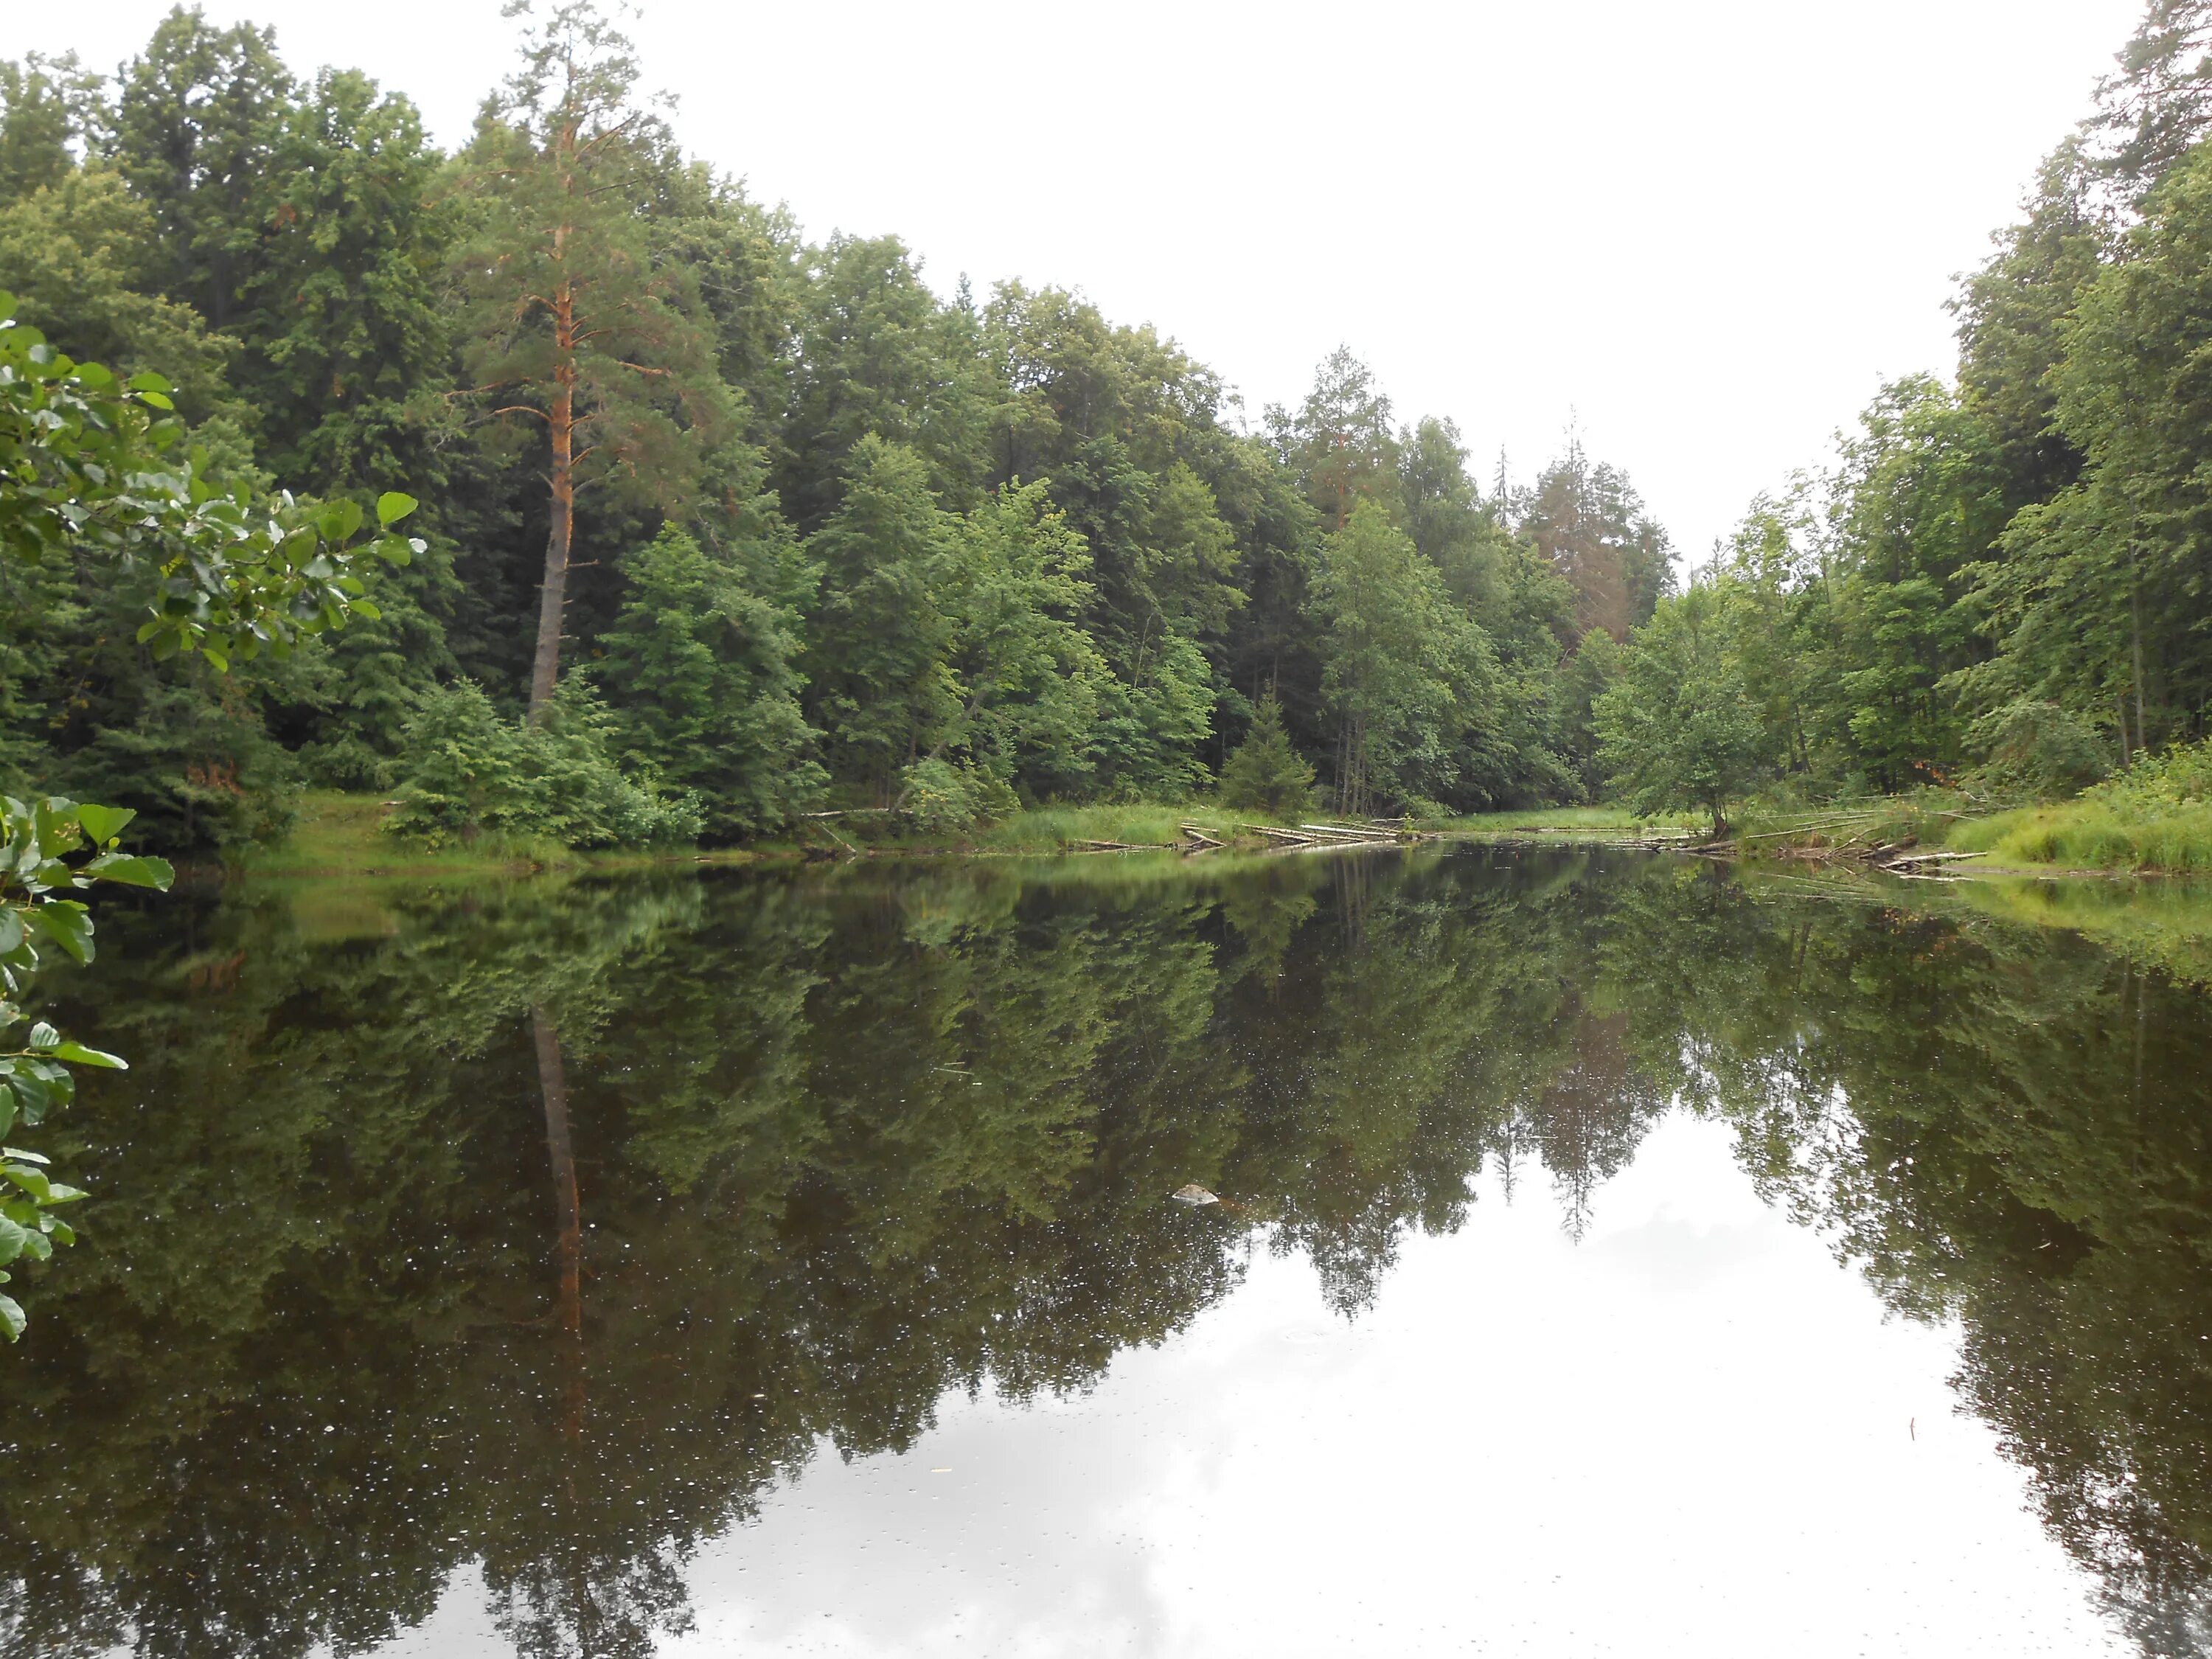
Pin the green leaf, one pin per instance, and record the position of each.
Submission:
(77, 1054)
(133, 870)
(22, 1156)
(11, 1318)
(392, 506)
(67, 923)
(157, 400)
(13, 1238)
(102, 825)
(44, 1038)
(148, 380)
(11, 930)
(32, 1181)
(339, 520)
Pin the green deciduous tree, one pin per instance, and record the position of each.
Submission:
(701, 661)
(1678, 729)
(1410, 677)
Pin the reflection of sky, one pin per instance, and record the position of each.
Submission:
(1693, 1433)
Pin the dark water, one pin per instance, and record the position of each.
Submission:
(1618, 1257)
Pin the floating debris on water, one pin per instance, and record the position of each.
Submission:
(1193, 1194)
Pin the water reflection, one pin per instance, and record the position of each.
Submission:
(541, 1233)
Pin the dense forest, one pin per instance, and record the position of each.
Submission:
(722, 524)
(757, 521)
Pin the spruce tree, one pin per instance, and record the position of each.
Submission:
(1266, 773)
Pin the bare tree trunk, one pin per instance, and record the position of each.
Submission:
(545, 667)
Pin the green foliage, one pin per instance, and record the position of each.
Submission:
(85, 463)
(2038, 750)
(879, 683)
(938, 798)
(1266, 773)
(701, 666)
(1678, 728)
(1412, 679)
(469, 772)
(49, 851)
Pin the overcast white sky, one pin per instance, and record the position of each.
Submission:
(1704, 230)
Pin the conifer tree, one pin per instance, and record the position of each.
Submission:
(576, 326)
(1266, 773)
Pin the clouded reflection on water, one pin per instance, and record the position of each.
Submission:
(1616, 1257)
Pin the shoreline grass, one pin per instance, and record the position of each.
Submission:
(341, 835)
(338, 836)
(2091, 836)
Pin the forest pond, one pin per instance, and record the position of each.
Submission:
(1613, 1254)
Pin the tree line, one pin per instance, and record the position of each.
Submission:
(2002, 577)
(722, 523)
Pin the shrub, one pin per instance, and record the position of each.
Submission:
(942, 798)
(466, 771)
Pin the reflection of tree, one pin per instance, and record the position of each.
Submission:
(2005, 1128)
(1593, 1115)
(839, 1141)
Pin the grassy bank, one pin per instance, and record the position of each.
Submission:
(2089, 834)
(1567, 823)
(342, 834)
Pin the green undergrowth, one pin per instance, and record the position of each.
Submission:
(2094, 834)
(1044, 829)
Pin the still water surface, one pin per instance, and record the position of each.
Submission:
(1616, 1256)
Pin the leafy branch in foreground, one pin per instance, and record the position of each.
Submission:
(88, 461)
(43, 860)
(89, 469)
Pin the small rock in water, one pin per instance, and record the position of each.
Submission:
(1193, 1194)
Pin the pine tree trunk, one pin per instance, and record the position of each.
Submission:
(545, 667)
